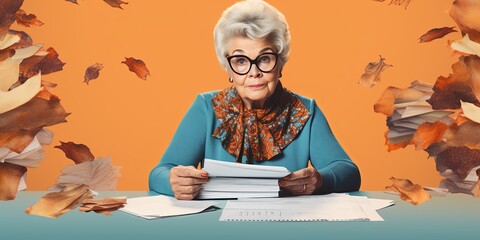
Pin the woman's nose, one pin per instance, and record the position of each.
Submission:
(254, 71)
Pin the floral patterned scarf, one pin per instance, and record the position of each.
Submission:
(260, 134)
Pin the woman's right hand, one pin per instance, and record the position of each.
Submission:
(186, 181)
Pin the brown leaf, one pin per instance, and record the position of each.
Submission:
(54, 204)
(103, 205)
(372, 73)
(10, 175)
(27, 20)
(25, 40)
(72, 1)
(92, 72)
(428, 133)
(461, 160)
(436, 33)
(115, 3)
(20, 125)
(7, 14)
(466, 134)
(6, 53)
(46, 64)
(79, 153)
(392, 95)
(462, 85)
(466, 14)
(412, 193)
(138, 67)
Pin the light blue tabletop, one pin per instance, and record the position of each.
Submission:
(455, 216)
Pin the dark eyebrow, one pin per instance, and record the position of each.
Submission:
(261, 51)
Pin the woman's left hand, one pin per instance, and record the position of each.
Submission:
(302, 182)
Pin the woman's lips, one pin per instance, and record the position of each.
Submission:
(256, 86)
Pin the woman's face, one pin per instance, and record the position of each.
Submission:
(256, 86)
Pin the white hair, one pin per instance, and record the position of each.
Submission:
(254, 19)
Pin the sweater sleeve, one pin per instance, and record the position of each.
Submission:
(187, 147)
(339, 173)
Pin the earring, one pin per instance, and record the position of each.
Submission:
(230, 79)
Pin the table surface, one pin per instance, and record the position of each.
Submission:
(455, 216)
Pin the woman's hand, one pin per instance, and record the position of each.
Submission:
(186, 181)
(302, 182)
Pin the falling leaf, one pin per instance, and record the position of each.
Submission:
(103, 205)
(46, 63)
(24, 42)
(466, 134)
(459, 159)
(115, 3)
(20, 95)
(27, 20)
(99, 175)
(10, 175)
(10, 67)
(436, 33)
(7, 14)
(471, 111)
(462, 85)
(20, 125)
(372, 73)
(138, 67)
(466, 46)
(428, 133)
(55, 204)
(386, 103)
(466, 14)
(6, 53)
(79, 153)
(92, 72)
(412, 193)
(72, 1)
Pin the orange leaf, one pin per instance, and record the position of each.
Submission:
(10, 175)
(92, 72)
(466, 14)
(412, 193)
(103, 205)
(386, 103)
(137, 66)
(7, 14)
(27, 20)
(436, 33)
(466, 134)
(463, 84)
(372, 73)
(461, 160)
(115, 3)
(428, 133)
(79, 153)
(46, 64)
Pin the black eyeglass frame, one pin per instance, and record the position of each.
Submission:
(253, 62)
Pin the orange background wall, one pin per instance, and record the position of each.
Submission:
(133, 121)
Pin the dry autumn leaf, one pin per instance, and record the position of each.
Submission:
(466, 134)
(55, 204)
(429, 133)
(436, 33)
(412, 193)
(372, 73)
(397, 2)
(471, 111)
(11, 66)
(459, 159)
(386, 103)
(79, 153)
(20, 95)
(115, 3)
(462, 85)
(92, 72)
(7, 14)
(138, 67)
(27, 20)
(73, 1)
(10, 175)
(46, 63)
(466, 14)
(103, 205)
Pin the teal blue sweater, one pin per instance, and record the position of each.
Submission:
(193, 142)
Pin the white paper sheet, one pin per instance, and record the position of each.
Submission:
(164, 206)
(228, 169)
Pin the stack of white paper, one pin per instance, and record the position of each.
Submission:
(409, 115)
(333, 207)
(164, 206)
(235, 180)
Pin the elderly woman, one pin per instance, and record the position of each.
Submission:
(255, 120)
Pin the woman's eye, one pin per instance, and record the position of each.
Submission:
(241, 61)
(265, 59)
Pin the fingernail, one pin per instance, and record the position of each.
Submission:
(204, 175)
(281, 183)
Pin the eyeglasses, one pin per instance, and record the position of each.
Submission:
(241, 64)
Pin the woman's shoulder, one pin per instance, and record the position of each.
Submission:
(309, 103)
